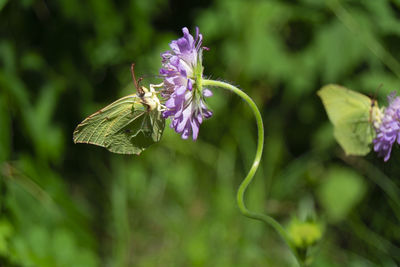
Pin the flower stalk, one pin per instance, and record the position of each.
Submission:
(256, 162)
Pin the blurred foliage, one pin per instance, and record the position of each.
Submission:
(78, 205)
(351, 188)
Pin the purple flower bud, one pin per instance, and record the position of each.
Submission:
(389, 129)
(185, 98)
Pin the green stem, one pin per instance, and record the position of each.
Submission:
(247, 180)
(371, 43)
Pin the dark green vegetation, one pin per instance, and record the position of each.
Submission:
(79, 205)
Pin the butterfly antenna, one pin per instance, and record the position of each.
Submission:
(376, 93)
(136, 82)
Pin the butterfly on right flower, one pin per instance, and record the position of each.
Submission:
(356, 119)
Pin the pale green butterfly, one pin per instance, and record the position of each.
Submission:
(353, 116)
(128, 125)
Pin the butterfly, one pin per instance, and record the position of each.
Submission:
(126, 126)
(353, 116)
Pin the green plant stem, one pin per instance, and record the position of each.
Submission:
(247, 180)
(379, 178)
(372, 44)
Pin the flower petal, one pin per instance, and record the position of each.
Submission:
(184, 101)
(207, 92)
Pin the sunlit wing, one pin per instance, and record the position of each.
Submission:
(355, 138)
(343, 104)
(350, 113)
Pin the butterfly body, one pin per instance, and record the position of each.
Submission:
(353, 116)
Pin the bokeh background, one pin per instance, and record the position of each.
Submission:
(78, 205)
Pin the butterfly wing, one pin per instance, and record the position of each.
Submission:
(349, 112)
(121, 127)
(354, 137)
(157, 125)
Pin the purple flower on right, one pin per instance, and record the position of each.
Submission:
(388, 131)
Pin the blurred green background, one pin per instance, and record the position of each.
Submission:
(78, 205)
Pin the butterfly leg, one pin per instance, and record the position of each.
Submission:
(153, 86)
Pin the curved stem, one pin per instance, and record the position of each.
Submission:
(247, 180)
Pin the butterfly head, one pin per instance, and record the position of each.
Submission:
(151, 99)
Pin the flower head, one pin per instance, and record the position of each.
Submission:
(389, 128)
(182, 71)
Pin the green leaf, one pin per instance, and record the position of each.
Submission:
(127, 126)
(351, 115)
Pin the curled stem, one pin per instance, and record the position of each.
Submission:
(247, 180)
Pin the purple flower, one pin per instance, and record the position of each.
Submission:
(183, 72)
(389, 129)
